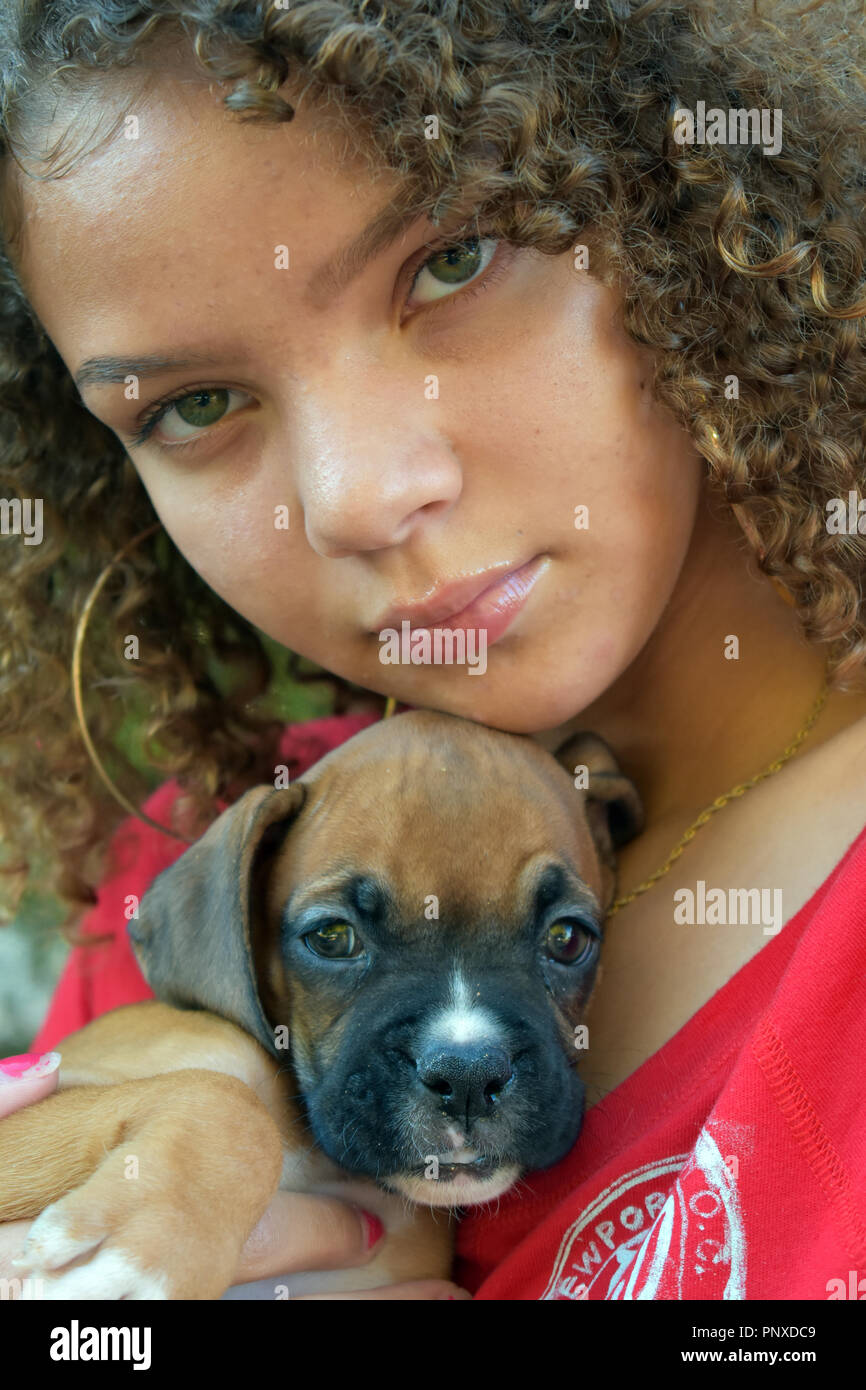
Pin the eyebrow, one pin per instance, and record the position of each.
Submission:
(555, 883)
(327, 281)
(368, 895)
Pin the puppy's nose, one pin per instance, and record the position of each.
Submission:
(468, 1077)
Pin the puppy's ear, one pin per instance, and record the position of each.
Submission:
(613, 806)
(194, 935)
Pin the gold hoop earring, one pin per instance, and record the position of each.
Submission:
(78, 698)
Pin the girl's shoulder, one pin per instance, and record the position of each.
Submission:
(791, 830)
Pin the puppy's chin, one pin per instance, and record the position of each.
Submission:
(462, 1190)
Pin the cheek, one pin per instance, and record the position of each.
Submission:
(233, 542)
(636, 470)
(562, 417)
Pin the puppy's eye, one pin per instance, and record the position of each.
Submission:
(336, 941)
(569, 942)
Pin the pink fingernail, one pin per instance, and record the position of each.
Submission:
(28, 1066)
(375, 1229)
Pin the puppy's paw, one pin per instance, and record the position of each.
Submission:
(167, 1210)
(109, 1239)
(94, 1271)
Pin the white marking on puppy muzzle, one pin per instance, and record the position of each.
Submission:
(462, 1019)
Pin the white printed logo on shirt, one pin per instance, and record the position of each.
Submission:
(643, 1239)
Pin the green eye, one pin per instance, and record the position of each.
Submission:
(195, 409)
(205, 408)
(568, 942)
(336, 941)
(452, 267)
(456, 263)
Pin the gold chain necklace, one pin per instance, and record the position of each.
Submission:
(721, 801)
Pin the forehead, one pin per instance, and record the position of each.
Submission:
(477, 819)
(181, 210)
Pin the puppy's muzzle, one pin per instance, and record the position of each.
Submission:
(445, 1092)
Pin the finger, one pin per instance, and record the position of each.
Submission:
(27, 1079)
(300, 1232)
(432, 1290)
(13, 1234)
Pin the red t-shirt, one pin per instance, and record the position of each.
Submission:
(730, 1165)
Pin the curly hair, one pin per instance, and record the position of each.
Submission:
(556, 128)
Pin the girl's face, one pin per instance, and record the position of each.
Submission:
(428, 426)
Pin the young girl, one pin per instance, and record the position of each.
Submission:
(534, 319)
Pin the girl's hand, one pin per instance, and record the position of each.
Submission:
(300, 1232)
(23, 1080)
(26, 1079)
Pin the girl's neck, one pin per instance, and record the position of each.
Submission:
(686, 721)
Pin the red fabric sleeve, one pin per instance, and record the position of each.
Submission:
(98, 978)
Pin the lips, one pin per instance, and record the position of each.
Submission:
(445, 602)
(479, 1167)
(490, 600)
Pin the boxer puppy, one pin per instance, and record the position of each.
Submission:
(369, 982)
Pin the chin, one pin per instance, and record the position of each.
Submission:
(462, 1190)
(515, 713)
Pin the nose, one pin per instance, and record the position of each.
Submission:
(469, 1078)
(371, 464)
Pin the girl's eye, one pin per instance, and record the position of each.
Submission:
(196, 411)
(453, 267)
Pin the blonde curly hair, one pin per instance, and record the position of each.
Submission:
(556, 127)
